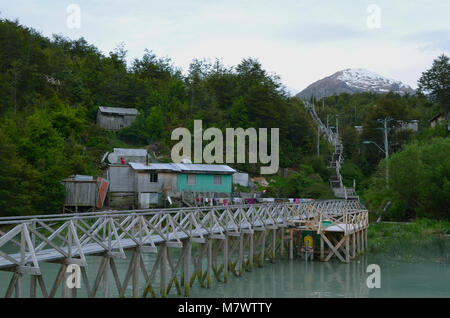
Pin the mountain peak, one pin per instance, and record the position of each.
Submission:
(354, 80)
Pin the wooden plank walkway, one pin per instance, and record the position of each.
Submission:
(253, 232)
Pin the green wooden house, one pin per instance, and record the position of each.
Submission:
(205, 178)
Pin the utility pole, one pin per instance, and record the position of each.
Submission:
(385, 129)
(318, 140)
(337, 124)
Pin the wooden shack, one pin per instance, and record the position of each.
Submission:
(437, 119)
(121, 189)
(81, 191)
(115, 118)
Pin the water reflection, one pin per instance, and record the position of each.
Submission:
(295, 278)
(285, 278)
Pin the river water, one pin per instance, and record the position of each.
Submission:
(291, 279)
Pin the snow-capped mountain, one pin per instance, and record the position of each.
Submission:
(354, 81)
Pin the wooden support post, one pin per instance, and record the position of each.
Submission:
(225, 259)
(197, 266)
(163, 283)
(64, 287)
(251, 251)
(101, 269)
(347, 248)
(201, 249)
(218, 244)
(282, 242)
(12, 285)
(353, 245)
(298, 238)
(291, 245)
(263, 247)
(59, 278)
(241, 254)
(358, 243)
(32, 286)
(129, 273)
(18, 289)
(187, 265)
(106, 277)
(135, 282)
(362, 241)
(85, 281)
(115, 275)
(274, 240)
(322, 252)
(149, 278)
(365, 237)
(42, 285)
(209, 256)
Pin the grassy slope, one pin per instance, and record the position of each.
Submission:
(420, 240)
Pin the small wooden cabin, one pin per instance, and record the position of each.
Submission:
(115, 118)
(437, 119)
(81, 191)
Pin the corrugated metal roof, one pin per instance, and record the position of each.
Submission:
(183, 167)
(198, 167)
(130, 152)
(79, 178)
(155, 166)
(118, 110)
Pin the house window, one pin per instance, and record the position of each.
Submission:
(217, 179)
(191, 179)
(153, 177)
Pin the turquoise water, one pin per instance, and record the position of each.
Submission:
(296, 278)
(292, 279)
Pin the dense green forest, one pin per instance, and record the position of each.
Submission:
(50, 90)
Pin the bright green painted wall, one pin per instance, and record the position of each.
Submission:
(205, 183)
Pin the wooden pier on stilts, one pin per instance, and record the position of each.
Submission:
(194, 244)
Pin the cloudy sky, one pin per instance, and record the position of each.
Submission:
(301, 41)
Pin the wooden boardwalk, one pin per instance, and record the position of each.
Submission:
(224, 238)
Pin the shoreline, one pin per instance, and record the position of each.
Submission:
(423, 239)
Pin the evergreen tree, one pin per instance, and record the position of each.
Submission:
(436, 82)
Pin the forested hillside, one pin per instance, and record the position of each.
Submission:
(50, 90)
(419, 165)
